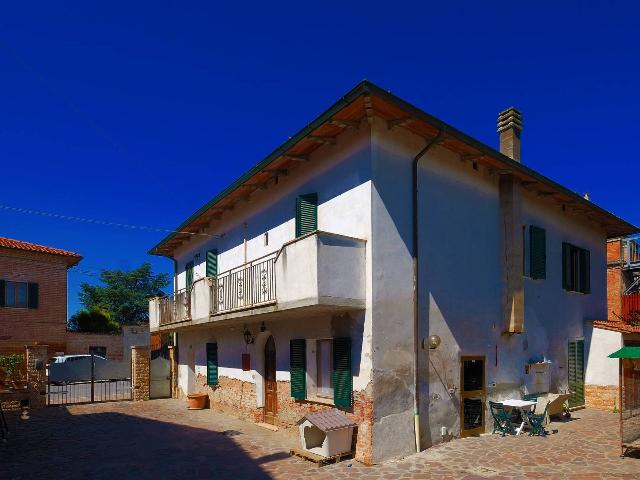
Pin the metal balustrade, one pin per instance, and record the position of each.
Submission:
(631, 252)
(249, 285)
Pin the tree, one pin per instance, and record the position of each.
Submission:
(95, 320)
(125, 295)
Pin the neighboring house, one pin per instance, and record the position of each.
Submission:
(622, 326)
(111, 346)
(294, 287)
(33, 295)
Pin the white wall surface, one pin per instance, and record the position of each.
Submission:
(602, 370)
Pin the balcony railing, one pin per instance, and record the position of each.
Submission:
(249, 285)
(631, 252)
(322, 271)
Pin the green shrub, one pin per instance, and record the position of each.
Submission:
(95, 320)
(11, 365)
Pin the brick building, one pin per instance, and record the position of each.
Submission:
(33, 295)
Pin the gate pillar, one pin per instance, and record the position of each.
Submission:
(140, 372)
(37, 374)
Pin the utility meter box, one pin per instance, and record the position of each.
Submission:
(326, 433)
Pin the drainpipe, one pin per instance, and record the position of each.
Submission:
(414, 253)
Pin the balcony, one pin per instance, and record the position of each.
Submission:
(631, 252)
(320, 271)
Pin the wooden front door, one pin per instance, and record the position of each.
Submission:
(472, 396)
(270, 385)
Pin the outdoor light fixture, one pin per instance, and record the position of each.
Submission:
(262, 327)
(248, 337)
(433, 341)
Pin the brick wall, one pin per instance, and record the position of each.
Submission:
(140, 372)
(78, 343)
(614, 279)
(601, 397)
(238, 398)
(48, 323)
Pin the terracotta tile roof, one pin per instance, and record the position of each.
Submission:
(617, 326)
(73, 258)
(328, 420)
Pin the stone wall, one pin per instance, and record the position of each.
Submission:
(140, 372)
(238, 398)
(601, 397)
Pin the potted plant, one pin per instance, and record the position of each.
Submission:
(11, 365)
(197, 401)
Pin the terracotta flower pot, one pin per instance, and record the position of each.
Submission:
(197, 401)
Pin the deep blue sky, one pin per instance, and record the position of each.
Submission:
(139, 113)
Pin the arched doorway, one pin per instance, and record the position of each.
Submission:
(270, 384)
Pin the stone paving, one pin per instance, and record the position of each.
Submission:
(161, 439)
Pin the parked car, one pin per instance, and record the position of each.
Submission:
(75, 368)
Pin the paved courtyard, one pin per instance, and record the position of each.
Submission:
(161, 439)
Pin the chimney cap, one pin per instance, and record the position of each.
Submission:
(510, 118)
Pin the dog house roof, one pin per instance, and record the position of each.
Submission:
(329, 420)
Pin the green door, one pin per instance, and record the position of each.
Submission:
(576, 373)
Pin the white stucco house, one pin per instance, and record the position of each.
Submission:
(385, 263)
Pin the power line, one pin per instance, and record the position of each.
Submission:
(94, 221)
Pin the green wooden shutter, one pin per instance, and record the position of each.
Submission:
(2, 290)
(576, 373)
(298, 368)
(32, 295)
(212, 363)
(537, 252)
(212, 263)
(585, 271)
(189, 274)
(306, 214)
(566, 266)
(342, 377)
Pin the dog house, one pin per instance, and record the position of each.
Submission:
(327, 433)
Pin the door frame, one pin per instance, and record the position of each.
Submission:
(473, 394)
(269, 419)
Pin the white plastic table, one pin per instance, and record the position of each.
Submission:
(521, 405)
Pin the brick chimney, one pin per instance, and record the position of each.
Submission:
(509, 128)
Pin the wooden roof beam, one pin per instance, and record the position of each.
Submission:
(345, 123)
(296, 158)
(398, 122)
(368, 108)
(322, 140)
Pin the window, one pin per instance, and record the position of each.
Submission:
(537, 252)
(321, 370)
(99, 351)
(306, 214)
(18, 294)
(324, 367)
(189, 275)
(576, 268)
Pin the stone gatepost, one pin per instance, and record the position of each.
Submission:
(37, 375)
(173, 371)
(140, 372)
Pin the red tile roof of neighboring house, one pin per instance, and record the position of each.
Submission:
(72, 257)
(617, 326)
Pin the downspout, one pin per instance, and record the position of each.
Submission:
(414, 253)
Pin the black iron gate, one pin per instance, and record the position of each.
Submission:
(87, 379)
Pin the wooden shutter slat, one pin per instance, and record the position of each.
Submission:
(212, 363)
(585, 271)
(537, 252)
(189, 275)
(306, 214)
(212, 263)
(341, 375)
(298, 368)
(32, 295)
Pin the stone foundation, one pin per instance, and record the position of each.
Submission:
(601, 397)
(140, 373)
(238, 398)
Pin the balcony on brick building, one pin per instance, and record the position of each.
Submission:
(321, 271)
